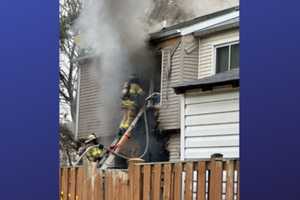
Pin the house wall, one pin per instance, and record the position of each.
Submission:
(193, 59)
(173, 146)
(181, 60)
(207, 50)
(90, 105)
(210, 124)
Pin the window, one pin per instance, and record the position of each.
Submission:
(227, 57)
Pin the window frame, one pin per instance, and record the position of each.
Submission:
(219, 45)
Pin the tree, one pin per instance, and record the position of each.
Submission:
(69, 12)
(68, 145)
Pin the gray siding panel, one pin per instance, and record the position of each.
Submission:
(174, 147)
(91, 107)
(88, 101)
(169, 111)
(184, 67)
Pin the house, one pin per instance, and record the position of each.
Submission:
(199, 106)
(200, 85)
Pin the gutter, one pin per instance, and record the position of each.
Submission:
(212, 30)
(157, 37)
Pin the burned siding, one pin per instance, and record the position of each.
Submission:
(179, 63)
(190, 59)
(171, 74)
(173, 146)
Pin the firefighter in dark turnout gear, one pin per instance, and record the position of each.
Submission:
(132, 100)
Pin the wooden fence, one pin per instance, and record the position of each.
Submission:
(199, 180)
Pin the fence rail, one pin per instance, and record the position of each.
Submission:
(199, 180)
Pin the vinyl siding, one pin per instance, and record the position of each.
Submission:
(184, 67)
(211, 124)
(88, 103)
(169, 110)
(91, 106)
(174, 147)
(207, 52)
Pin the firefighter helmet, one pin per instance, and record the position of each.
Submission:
(90, 138)
(133, 79)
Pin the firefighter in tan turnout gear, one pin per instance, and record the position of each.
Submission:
(132, 99)
(94, 150)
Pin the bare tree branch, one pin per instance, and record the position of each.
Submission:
(68, 13)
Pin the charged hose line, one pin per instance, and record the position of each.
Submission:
(147, 142)
(122, 155)
(119, 154)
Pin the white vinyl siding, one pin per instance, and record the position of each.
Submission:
(207, 50)
(210, 124)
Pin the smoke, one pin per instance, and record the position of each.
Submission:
(117, 31)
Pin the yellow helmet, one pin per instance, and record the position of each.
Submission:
(90, 138)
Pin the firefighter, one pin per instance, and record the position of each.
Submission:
(132, 97)
(94, 154)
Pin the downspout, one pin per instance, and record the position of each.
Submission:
(77, 103)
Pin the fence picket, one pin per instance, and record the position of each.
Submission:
(188, 190)
(216, 175)
(79, 184)
(137, 182)
(172, 183)
(101, 186)
(116, 185)
(97, 187)
(230, 180)
(72, 184)
(201, 180)
(146, 182)
(167, 182)
(156, 182)
(238, 178)
(177, 181)
(60, 182)
(64, 184)
(108, 186)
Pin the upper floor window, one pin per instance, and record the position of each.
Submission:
(227, 57)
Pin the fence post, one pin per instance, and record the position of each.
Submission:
(216, 176)
(134, 173)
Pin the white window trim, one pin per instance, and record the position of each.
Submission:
(219, 44)
(182, 127)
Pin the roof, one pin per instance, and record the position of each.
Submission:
(226, 25)
(225, 78)
(196, 24)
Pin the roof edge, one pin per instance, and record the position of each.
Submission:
(212, 30)
(231, 77)
(172, 31)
